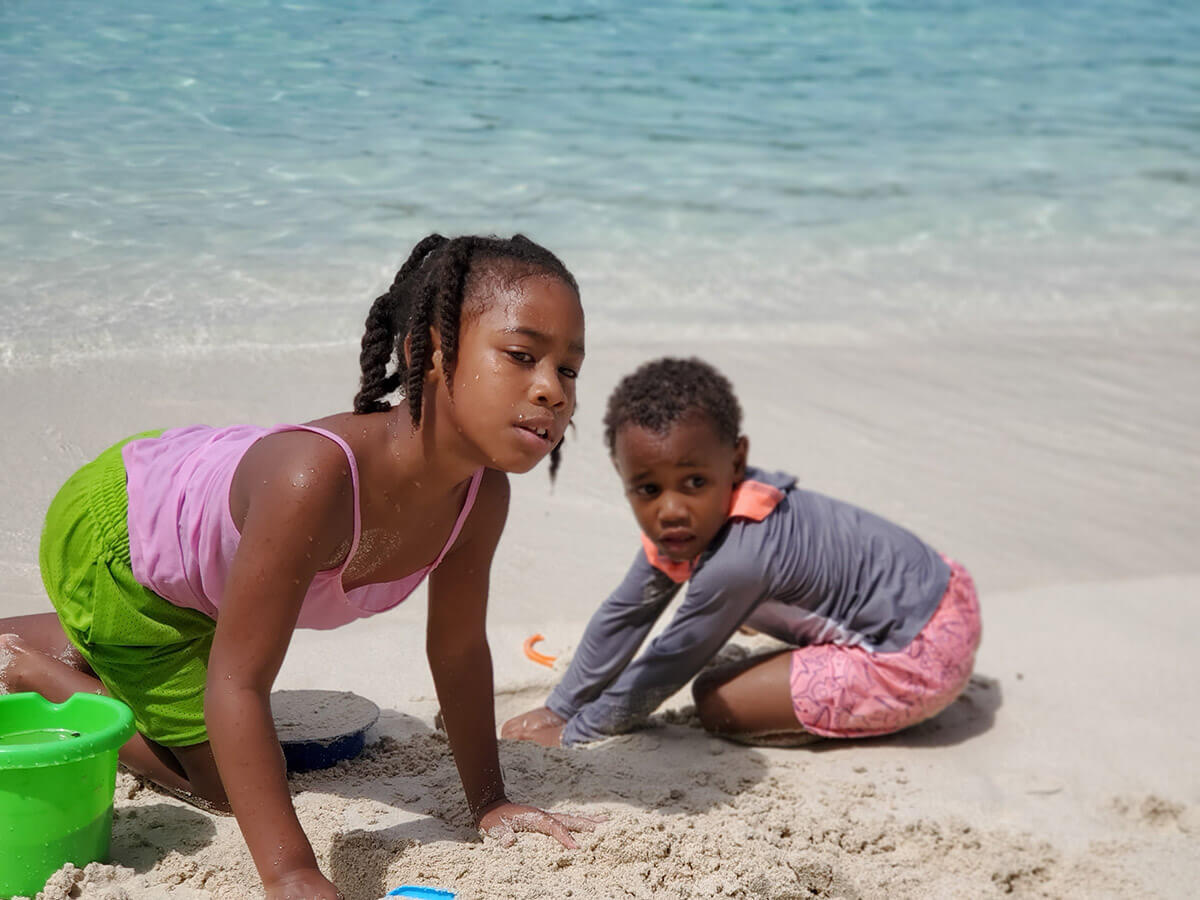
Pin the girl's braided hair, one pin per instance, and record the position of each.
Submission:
(428, 293)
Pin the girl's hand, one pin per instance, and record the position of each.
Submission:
(504, 820)
(303, 884)
(528, 727)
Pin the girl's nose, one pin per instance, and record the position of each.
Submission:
(548, 392)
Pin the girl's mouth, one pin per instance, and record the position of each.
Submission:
(536, 435)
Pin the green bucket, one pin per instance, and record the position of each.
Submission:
(58, 767)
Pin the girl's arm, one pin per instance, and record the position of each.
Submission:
(295, 493)
(461, 663)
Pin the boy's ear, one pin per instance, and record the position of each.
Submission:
(741, 450)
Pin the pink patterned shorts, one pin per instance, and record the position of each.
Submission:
(848, 692)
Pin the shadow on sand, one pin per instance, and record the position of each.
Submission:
(672, 768)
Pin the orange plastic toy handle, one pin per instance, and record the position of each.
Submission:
(540, 658)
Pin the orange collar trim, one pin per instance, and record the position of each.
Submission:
(754, 500)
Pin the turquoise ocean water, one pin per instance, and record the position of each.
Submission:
(185, 176)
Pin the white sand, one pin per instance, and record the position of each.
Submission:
(1059, 467)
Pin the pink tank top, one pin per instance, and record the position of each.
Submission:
(182, 538)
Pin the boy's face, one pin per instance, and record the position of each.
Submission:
(680, 482)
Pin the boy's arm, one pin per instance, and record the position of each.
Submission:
(461, 664)
(613, 635)
(719, 598)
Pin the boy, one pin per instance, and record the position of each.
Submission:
(883, 628)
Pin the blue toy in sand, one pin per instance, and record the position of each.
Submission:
(417, 892)
(319, 729)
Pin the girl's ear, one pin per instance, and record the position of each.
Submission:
(741, 450)
(435, 356)
(435, 367)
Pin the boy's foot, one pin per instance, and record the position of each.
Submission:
(775, 739)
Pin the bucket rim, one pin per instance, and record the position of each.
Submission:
(90, 743)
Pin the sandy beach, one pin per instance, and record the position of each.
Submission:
(1058, 466)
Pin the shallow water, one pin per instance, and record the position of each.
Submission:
(188, 176)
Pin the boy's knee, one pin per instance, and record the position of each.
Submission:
(710, 705)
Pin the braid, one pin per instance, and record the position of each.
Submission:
(454, 289)
(428, 293)
(418, 352)
(377, 346)
(383, 335)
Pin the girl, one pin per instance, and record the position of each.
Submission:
(180, 562)
(884, 629)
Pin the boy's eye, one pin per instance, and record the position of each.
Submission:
(646, 490)
(568, 373)
(697, 481)
(520, 356)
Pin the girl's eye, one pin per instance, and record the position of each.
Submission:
(696, 482)
(521, 356)
(568, 373)
(646, 490)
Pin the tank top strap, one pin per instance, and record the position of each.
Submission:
(472, 491)
(353, 482)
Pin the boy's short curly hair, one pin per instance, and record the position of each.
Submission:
(659, 393)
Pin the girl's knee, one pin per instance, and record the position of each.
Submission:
(13, 650)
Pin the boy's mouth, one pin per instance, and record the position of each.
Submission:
(676, 541)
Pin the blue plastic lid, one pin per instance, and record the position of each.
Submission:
(418, 892)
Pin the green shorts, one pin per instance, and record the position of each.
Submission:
(149, 653)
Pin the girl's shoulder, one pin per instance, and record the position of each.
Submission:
(484, 515)
(490, 504)
(305, 472)
(302, 451)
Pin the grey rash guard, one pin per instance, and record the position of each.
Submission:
(815, 570)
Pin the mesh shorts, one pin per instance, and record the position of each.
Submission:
(149, 653)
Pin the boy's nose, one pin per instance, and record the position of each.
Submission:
(672, 511)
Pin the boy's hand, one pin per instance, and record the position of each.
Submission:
(303, 884)
(541, 725)
(505, 819)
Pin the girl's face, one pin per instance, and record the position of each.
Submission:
(679, 483)
(514, 382)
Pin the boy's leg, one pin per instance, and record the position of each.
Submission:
(750, 701)
(36, 655)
